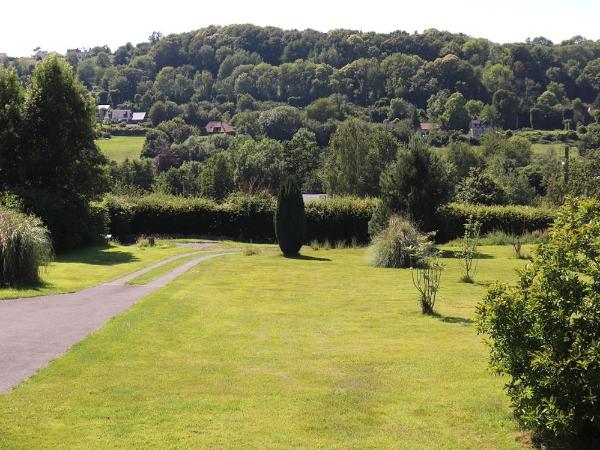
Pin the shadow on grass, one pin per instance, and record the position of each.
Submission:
(97, 256)
(452, 319)
(37, 286)
(457, 255)
(307, 258)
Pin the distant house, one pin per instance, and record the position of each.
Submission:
(479, 127)
(120, 115)
(428, 127)
(79, 53)
(313, 197)
(138, 117)
(217, 127)
(39, 54)
(102, 112)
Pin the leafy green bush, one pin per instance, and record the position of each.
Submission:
(511, 219)
(400, 244)
(25, 246)
(544, 333)
(289, 218)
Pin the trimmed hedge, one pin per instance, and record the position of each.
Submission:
(511, 219)
(242, 217)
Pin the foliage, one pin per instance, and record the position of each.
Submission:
(426, 280)
(357, 155)
(416, 183)
(289, 218)
(59, 168)
(25, 246)
(479, 188)
(216, 178)
(543, 332)
(400, 244)
(468, 251)
(241, 216)
(511, 219)
(455, 116)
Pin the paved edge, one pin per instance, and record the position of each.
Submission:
(37, 330)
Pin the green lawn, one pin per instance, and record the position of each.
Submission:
(94, 265)
(118, 148)
(267, 352)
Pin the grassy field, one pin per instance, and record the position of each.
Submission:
(94, 265)
(267, 352)
(118, 148)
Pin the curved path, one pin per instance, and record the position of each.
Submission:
(34, 331)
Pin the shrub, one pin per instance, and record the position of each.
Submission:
(240, 216)
(25, 246)
(426, 280)
(511, 219)
(289, 218)
(544, 334)
(146, 241)
(469, 246)
(399, 245)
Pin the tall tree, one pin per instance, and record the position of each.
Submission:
(60, 168)
(416, 183)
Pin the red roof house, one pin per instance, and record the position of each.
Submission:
(215, 127)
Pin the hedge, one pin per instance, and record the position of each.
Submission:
(242, 217)
(511, 219)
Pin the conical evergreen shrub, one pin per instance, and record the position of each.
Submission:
(290, 221)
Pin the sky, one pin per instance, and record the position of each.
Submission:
(56, 25)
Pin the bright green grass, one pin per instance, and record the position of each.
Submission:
(268, 352)
(118, 148)
(94, 265)
(162, 270)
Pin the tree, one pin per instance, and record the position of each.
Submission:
(356, 156)
(463, 157)
(259, 165)
(216, 178)
(455, 115)
(507, 105)
(60, 168)
(280, 123)
(11, 116)
(416, 183)
(302, 155)
(289, 219)
(479, 188)
(543, 333)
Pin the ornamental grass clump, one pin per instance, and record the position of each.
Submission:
(25, 246)
(400, 245)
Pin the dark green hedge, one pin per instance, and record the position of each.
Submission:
(243, 217)
(510, 219)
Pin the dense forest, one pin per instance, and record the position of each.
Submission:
(223, 71)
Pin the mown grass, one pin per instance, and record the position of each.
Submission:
(320, 351)
(118, 148)
(91, 266)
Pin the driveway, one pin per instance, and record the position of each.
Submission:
(34, 331)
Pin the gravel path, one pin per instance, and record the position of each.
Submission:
(34, 331)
